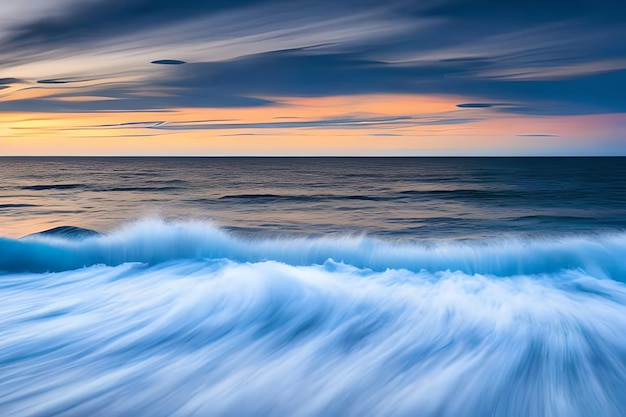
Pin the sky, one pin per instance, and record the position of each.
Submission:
(313, 77)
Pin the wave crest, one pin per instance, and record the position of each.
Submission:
(155, 241)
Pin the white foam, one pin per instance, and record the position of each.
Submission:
(221, 337)
(154, 241)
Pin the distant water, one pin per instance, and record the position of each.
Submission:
(412, 198)
(313, 287)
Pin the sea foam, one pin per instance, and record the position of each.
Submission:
(184, 319)
(155, 241)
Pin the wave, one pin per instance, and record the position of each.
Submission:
(19, 205)
(140, 189)
(224, 338)
(52, 187)
(102, 188)
(256, 198)
(155, 241)
(460, 194)
(185, 319)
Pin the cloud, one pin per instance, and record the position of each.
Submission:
(168, 62)
(59, 81)
(474, 105)
(527, 11)
(83, 21)
(538, 135)
(145, 95)
(7, 81)
(252, 80)
(297, 72)
(345, 122)
(554, 58)
(303, 72)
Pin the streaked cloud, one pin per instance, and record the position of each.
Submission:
(346, 122)
(538, 135)
(58, 81)
(495, 60)
(475, 105)
(5, 81)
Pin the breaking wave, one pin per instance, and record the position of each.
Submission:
(165, 319)
(155, 241)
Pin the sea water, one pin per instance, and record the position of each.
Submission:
(313, 287)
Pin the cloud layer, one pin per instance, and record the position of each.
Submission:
(531, 58)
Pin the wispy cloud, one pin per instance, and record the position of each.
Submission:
(497, 58)
(346, 122)
(538, 135)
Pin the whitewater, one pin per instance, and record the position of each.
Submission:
(165, 318)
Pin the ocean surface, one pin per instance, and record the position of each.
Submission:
(313, 287)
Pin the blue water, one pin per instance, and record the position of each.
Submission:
(313, 287)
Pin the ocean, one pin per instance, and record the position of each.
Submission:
(313, 287)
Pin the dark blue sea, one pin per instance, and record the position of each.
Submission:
(427, 287)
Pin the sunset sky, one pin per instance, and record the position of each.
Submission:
(312, 77)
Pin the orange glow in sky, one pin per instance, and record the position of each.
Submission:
(342, 125)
